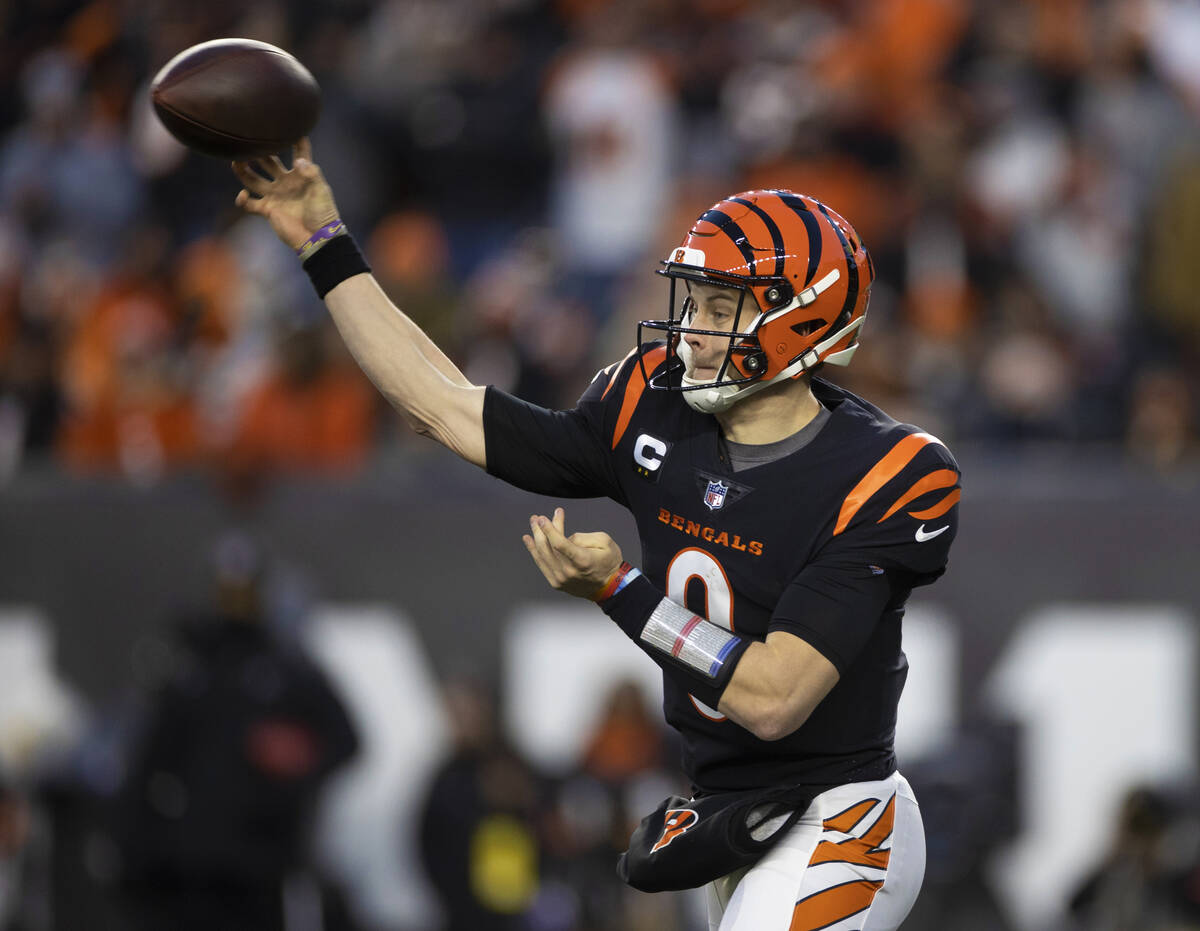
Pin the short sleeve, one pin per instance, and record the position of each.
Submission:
(903, 514)
(884, 544)
(560, 453)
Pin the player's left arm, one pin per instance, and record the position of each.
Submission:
(822, 620)
(768, 687)
(892, 534)
(776, 685)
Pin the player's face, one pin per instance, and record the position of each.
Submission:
(713, 308)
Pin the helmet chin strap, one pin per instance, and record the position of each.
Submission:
(711, 401)
(720, 398)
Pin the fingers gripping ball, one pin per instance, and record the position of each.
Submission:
(236, 98)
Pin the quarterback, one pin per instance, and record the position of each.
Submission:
(783, 523)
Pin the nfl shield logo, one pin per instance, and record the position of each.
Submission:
(714, 496)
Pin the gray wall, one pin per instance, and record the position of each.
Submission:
(108, 561)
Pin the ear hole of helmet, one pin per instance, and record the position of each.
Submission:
(807, 327)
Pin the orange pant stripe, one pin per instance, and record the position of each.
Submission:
(829, 906)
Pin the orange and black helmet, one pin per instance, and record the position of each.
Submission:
(810, 278)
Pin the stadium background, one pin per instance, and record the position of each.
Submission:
(1027, 176)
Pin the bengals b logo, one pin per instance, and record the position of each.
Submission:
(677, 821)
(679, 253)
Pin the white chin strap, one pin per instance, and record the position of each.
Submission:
(706, 401)
(720, 398)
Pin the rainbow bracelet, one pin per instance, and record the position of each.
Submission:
(618, 580)
(320, 237)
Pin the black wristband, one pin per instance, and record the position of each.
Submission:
(631, 606)
(708, 691)
(333, 263)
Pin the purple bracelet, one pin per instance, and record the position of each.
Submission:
(320, 237)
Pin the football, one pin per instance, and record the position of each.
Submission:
(236, 98)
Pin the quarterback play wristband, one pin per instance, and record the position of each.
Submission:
(320, 237)
(697, 654)
(688, 638)
(333, 263)
(623, 576)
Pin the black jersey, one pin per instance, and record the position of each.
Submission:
(825, 543)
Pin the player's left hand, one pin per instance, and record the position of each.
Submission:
(580, 564)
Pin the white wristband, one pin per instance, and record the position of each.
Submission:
(689, 638)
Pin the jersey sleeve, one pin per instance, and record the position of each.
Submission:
(892, 533)
(561, 453)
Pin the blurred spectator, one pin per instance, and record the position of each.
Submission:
(66, 169)
(314, 413)
(885, 59)
(1171, 275)
(524, 334)
(627, 765)
(30, 399)
(1025, 374)
(126, 373)
(1137, 887)
(628, 739)
(222, 783)
(970, 802)
(444, 83)
(409, 253)
(479, 835)
(15, 829)
(42, 719)
(1161, 415)
(612, 118)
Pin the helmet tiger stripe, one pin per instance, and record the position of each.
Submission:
(808, 273)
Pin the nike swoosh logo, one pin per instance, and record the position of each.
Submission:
(922, 536)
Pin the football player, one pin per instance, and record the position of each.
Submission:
(783, 524)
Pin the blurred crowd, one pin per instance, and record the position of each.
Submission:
(193, 800)
(1026, 175)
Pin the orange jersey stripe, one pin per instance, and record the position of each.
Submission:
(613, 371)
(834, 904)
(881, 473)
(942, 478)
(940, 508)
(845, 821)
(634, 389)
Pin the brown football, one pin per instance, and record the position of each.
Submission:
(236, 98)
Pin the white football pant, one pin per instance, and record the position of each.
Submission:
(853, 862)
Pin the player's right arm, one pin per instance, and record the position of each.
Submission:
(408, 368)
(404, 364)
